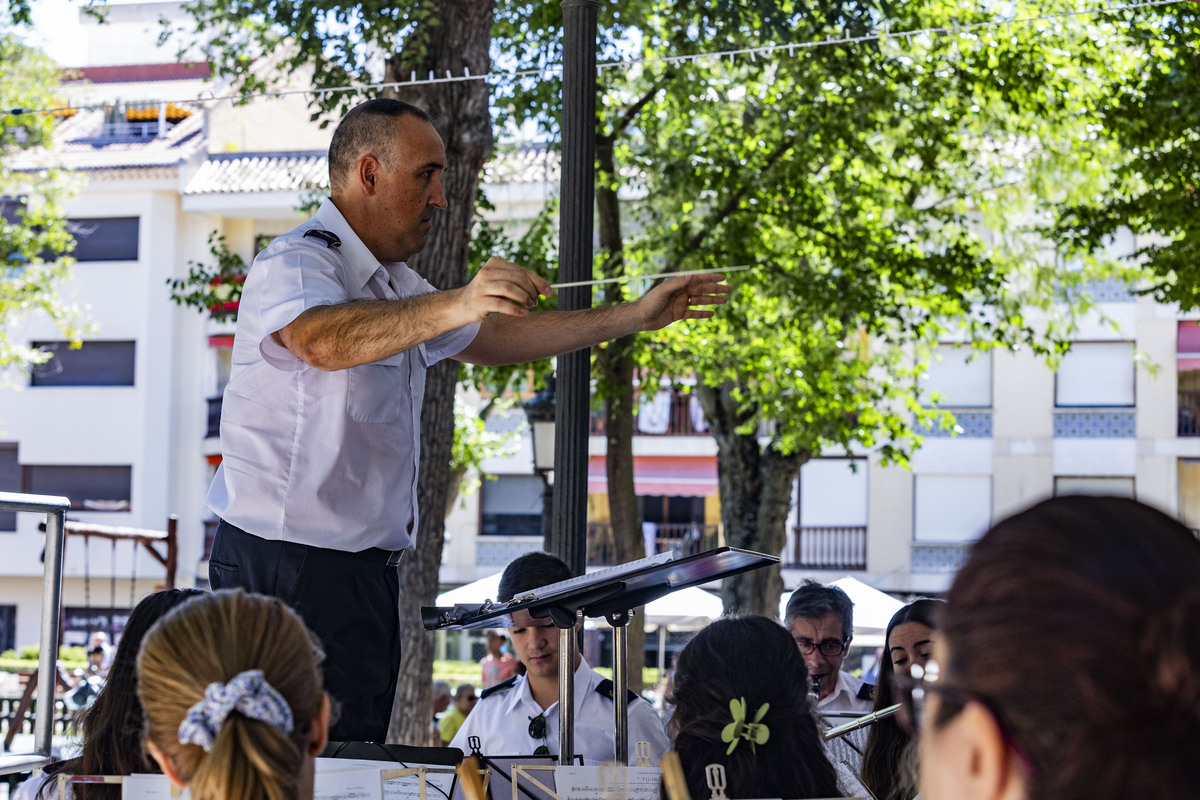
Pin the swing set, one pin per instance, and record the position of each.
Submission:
(162, 547)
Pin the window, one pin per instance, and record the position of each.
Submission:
(105, 238)
(511, 506)
(833, 495)
(1189, 492)
(1116, 486)
(951, 508)
(671, 509)
(89, 488)
(1096, 374)
(961, 375)
(10, 481)
(93, 364)
(8, 628)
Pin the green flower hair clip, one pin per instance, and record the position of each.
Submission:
(754, 732)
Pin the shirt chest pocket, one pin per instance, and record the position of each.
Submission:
(376, 392)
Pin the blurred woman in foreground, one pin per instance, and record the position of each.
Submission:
(1068, 663)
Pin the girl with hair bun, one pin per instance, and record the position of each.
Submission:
(740, 699)
(231, 687)
(1067, 666)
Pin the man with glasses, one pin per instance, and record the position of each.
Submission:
(821, 620)
(520, 715)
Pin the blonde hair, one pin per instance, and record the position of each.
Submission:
(211, 639)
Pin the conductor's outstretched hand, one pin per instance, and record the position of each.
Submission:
(503, 287)
(683, 297)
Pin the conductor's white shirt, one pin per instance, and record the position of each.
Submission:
(501, 721)
(322, 458)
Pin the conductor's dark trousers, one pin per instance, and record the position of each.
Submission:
(351, 601)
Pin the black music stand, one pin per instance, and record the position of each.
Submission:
(611, 593)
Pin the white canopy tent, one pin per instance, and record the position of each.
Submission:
(687, 609)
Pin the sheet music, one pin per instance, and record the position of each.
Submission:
(593, 783)
(361, 783)
(150, 786)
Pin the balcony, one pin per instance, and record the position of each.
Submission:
(680, 538)
(840, 547)
(673, 420)
(213, 430)
(1189, 413)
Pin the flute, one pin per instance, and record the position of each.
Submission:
(861, 722)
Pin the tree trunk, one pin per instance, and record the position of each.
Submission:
(450, 35)
(615, 362)
(756, 496)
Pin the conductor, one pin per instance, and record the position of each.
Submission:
(320, 425)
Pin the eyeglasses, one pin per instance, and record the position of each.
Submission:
(828, 647)
(537, 730)
(913, 691)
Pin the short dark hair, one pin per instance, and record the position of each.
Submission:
(813, 600)
(753, 659)
(367, 129)
(530, 571)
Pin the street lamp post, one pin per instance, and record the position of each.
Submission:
(539, 411)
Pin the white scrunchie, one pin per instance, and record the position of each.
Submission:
(248, 694)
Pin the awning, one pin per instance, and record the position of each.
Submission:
(674, 476)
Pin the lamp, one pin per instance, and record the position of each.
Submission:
(540, 413)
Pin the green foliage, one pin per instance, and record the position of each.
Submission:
(474, 444)
(1154, 188)
(214, 288)
(33, 232)
(534, 247)
(27, 658)
(889, 194)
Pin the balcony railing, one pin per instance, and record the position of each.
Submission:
(678, 422)
(828, 547)
(683, 539)
(214, 418)
(1189, 413)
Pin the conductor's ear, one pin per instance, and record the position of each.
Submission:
(368, 168)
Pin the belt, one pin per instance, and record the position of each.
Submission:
(389, 557)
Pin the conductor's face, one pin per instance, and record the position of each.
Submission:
(536, 644)
(408, 189)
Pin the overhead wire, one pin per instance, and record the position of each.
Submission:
(553, 70)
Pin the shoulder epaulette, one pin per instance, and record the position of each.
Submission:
(605, 687)
(866, 692)
(499, 687)
(330, 239)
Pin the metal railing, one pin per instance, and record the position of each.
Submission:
(828, 547)
(1188, 414)
(55, 509)
(213, 428)
(679, 421)
(681, 538)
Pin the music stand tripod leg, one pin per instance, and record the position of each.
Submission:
(621, 693)
(568, 649)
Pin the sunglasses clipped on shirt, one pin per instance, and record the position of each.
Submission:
(537, 730)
